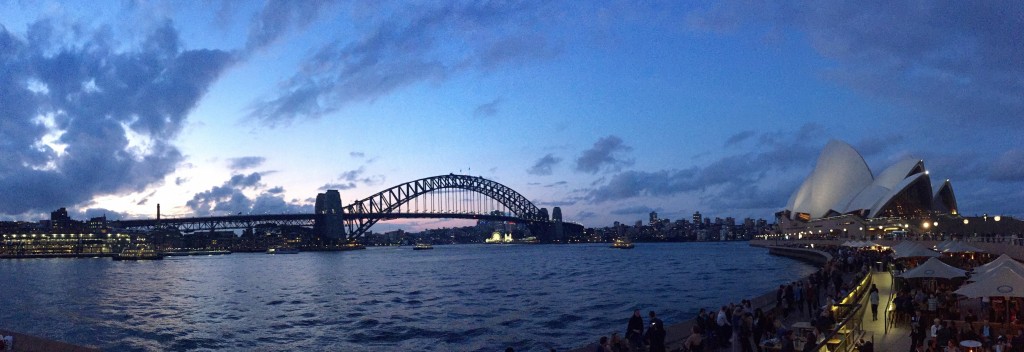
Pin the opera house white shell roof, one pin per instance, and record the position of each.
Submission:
(842, 183)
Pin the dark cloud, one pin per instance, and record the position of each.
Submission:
(728, 177)
(604, 155)
(354, 177)
(405, 45)
(958, 61)
(338, 186)
(1008, 167)
(543, 165)
(874, 145)
(554, 203)
(738, 138)
(96, 118)
(178, 181)
(487, 109)
(639, 209)
(245, 162)
(556, 184)
(231, 198)
(585, 215)
(97, 212)
(278, 17)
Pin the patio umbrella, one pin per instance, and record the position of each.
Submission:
(934, 268)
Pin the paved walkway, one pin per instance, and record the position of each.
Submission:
(898, 337)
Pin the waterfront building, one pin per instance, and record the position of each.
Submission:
(842, 198)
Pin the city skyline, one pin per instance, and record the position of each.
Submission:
(609, 110)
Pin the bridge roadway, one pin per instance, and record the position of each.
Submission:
(211, 223)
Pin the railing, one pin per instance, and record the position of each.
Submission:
(889, 308)
(846, 333)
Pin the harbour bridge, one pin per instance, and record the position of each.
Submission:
(439, 197)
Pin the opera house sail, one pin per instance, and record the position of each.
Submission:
(841, 197)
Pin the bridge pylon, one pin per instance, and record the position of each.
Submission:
(330, 216)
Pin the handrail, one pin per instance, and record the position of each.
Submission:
(854, 314)
(888, 303)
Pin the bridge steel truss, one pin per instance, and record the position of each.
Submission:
(362, 214)
(391, 199)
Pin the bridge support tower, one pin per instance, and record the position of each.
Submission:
(330, 217)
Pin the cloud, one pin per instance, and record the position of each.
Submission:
(955, 61)
(727, 178)
(245, 162)
(338, 186)
(1008, 167)
(231, 198)
(352, 177)
(487, 109)
(639, 209)
(604, 155)
(178, 181)
(738, 138)
(359, 155)
(561, 203)
(556, 184)
(278, 17)
(585, 215)
(97, 117)
(543, 165)
(402, 46)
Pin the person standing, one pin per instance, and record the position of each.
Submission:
(724, 332)
(635, 330)
(656, 334)
(873, 296)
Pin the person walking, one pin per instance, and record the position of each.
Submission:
(635, 330)
(873, 296)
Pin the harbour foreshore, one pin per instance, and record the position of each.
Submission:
(677, 333)
(29, 343)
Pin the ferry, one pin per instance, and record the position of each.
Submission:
(622, 244)
(192, 253)
(282, 250)
(422, 246)
(138, 253)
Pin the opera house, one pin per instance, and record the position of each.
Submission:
(843, 198)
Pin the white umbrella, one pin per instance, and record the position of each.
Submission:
(1003, 259)
(934, 268)
(1004, 283)
(994, 272)
(917, 251)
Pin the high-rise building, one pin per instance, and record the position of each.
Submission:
(653, 218)
(697, 218)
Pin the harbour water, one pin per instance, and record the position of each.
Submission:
(451, 298)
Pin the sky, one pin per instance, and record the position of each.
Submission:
(607, 109)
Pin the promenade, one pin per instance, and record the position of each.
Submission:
(29, 343)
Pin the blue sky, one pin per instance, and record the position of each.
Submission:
(607, 109)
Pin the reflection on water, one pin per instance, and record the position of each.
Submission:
(465, 297)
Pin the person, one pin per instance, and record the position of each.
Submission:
(635, 330)
(865, 346)
(602, 345)
(745, 332)
(694, 342)
(873, 294)
(724, 329)
(951, 346)
(934, 333)
(788, 345)
(617, 344)
(656, 334)
(916, 335)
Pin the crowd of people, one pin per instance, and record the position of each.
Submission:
(745, 327)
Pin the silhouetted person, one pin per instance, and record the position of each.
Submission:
(656, 334)
(635, 330)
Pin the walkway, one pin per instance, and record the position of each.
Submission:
(898, 338)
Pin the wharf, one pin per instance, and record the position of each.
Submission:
(29, 343)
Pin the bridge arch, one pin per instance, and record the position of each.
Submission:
(391, 199)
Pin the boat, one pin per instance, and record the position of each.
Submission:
(140, 252)
(282, 250)
(622, 244)
(192, 253)
(422, 246)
